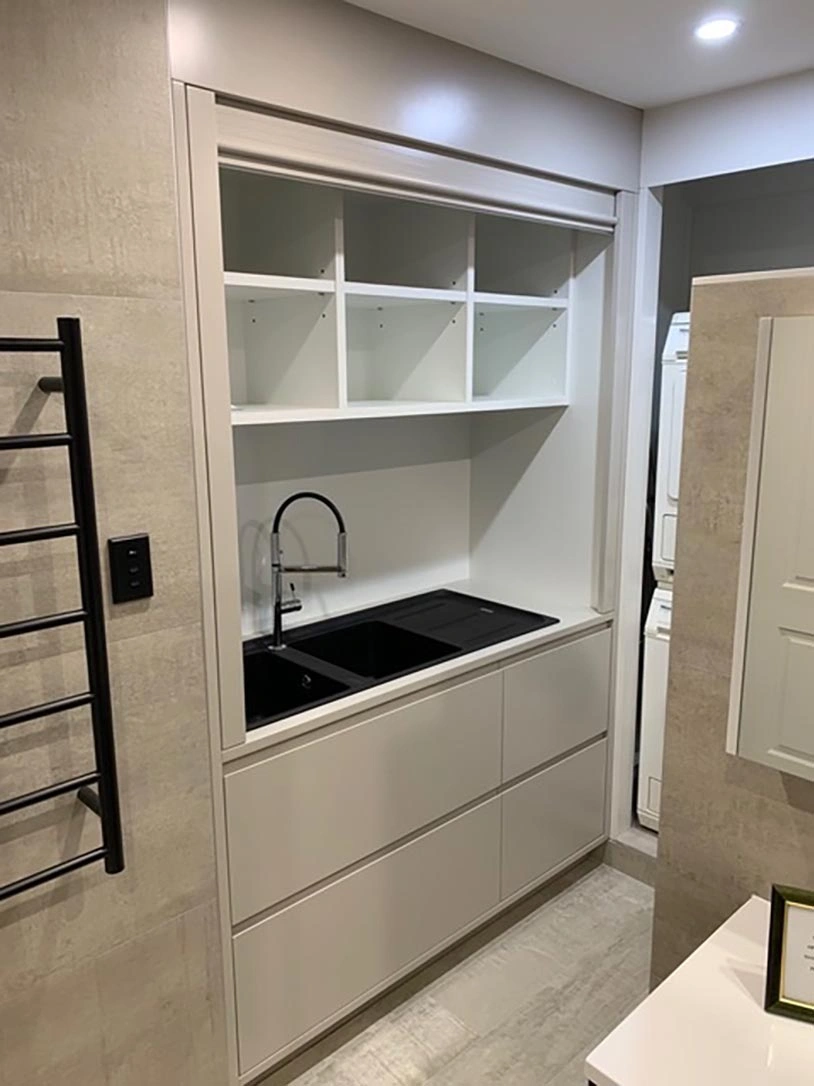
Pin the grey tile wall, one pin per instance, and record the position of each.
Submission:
(105, 980)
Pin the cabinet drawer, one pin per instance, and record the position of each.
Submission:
(307, 813)
(551, 816)
(554, 702)
(303, 965)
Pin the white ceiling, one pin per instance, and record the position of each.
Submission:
(638, 51)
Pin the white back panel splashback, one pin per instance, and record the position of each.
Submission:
(402, 486)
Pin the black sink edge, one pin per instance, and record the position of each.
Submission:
(386, 612)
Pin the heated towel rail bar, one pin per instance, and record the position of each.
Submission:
(98, 789)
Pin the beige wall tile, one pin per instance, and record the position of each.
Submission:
(161, 738)
(88, 197)
(138, 397)
(50, 1035)
(105, 980)
(729, 828)
(160, 1008)
(148, 1011)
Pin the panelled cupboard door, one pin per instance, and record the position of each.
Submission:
(777, 706)
(554, 702)
(551, 816)
(303, 966)
(307, 813)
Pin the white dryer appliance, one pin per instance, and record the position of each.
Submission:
(657, 626)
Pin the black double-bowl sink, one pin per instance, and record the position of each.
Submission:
(327, 660)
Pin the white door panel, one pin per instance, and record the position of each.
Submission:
(777, 720)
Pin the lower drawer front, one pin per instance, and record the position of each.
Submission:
(306, 963)
(301, 816)
(551, 816)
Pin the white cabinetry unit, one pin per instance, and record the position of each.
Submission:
(343, 288)
(301, 967)
(551, 817)
(356, 853)
(306, 813)
(554, 702)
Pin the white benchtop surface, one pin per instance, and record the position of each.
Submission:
(705, 1025)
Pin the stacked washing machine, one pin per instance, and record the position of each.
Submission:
(657, 626)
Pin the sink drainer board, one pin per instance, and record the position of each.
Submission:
(330, 659)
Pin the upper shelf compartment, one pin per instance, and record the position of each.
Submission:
(522, 258)
(276, 227)
(404, 243)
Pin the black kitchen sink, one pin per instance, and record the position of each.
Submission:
(274, 686)
(375, 650)
(338, 656)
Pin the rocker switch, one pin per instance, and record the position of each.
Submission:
(131, 573)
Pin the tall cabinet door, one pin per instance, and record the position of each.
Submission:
(776, 725)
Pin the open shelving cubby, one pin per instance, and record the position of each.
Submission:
(524, 258)
(520, 350)
(405, 243)
(353, 305)
(523, 273)
(279, 246)
(279, 227)
(405, 347)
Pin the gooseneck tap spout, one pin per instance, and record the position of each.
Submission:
(280, 606)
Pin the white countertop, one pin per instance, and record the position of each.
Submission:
(705, 1025)
(573, 620)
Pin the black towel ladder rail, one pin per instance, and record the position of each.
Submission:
(98, 789)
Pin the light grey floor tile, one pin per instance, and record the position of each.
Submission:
(496, 983)
(419, 1039)
(525, 1010)
(535, 1046)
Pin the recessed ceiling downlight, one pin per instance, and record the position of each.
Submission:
(712, 30)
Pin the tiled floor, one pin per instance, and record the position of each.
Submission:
(524, 1010)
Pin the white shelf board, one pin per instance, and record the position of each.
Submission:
(263, 415)
(371, 295)
(495, 403)
(245, 287)
(484, 301)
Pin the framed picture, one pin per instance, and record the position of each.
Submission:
(790, 972)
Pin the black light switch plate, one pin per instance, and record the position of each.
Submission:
(131, 572)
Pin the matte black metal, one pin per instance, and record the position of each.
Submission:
(30, 882)
(50, 384)
(278, 516)
(45, 622)
(131, 569)
(40, 795)
(90, 799)
(33, 441)
(21, 343)
(91, 614)
(34, 535)
(48, 708)
(90, 582)
(278, 567)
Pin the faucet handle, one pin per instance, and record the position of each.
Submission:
(342, 554)
(293, 603)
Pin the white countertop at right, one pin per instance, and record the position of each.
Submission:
(706, 1026)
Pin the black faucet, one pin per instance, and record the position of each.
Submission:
(278, 569)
